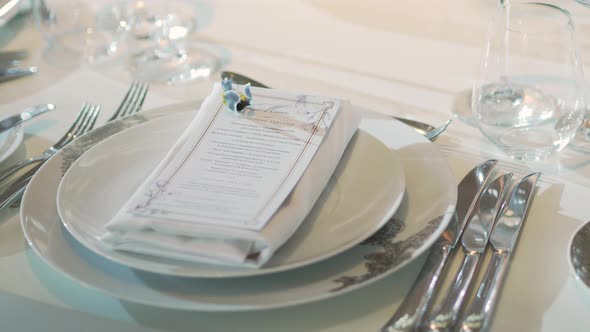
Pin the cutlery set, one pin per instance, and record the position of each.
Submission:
(84, 122)
(484, 213)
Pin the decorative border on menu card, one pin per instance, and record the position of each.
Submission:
(180, 165)
(327, 106)
(301, 153)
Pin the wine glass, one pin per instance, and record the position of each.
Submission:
(528, 99)
(161, 31)
(81, 31)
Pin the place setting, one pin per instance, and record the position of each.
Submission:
(253, 197)
(317, 243)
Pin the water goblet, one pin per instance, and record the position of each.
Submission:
(80, 31)
(528, 99)
(162, 30)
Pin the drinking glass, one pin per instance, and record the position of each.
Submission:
(528, 99)
(81, 31)
(161, 33)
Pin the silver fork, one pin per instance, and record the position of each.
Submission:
(131, 103)
(133, 100)
(83, 122)
(433, 134)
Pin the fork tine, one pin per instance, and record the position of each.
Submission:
(130, 109)
(131, 101)
(125, 101)
(143, 89)
(93, 122)
(88, 121)
(79, 118)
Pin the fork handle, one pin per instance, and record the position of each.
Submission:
(17, 167)
(409, 315)
(478, 317)
(16, 190)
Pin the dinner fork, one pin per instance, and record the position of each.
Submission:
(133, 100)
(84, 121)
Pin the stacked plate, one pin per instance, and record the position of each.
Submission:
(348, 241)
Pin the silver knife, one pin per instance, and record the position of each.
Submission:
(25, 115)
(14, 73)
(411, 312)
(474, 241)
(503, 240)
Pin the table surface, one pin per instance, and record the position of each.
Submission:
(415, 59)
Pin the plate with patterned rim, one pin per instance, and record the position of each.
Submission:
(356, 202)
(425, 211)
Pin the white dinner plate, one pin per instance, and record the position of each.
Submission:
(10, 140)
(361, 196)
(425, 211)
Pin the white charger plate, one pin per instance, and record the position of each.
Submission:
(425, 211)
(10, 140)
(358, 200)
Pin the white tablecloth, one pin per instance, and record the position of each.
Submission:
(415, 58)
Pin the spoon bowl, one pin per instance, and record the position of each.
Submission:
(579, 255)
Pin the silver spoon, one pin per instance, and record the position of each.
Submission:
(424, 129)
(580, 254)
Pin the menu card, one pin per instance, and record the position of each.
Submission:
(229, 171)
(238, 169)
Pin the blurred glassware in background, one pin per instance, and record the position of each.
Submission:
(528, 99)
(81, 31)
(163, 50)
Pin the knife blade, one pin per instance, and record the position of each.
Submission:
(412, 310)
(25, 115)
(474, 241)
(503, 240)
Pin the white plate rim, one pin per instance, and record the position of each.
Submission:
(146, 264)
(165, 301)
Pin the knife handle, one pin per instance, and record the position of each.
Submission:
(14, 73)
(410, 313)
(446, 317)
(478, 316)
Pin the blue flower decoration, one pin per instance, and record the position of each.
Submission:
(226, 84)
(235, 101)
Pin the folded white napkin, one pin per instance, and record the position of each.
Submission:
(230, 245)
